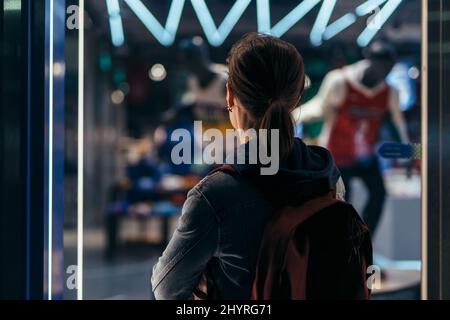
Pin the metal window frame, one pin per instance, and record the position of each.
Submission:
(32, 145)
(436, 153)
(34, 269)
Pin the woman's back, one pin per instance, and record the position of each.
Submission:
(218, 235)
(224, 216)
(223, 221)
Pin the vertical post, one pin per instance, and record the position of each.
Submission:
(54, 147)
(13, 145)
(35, 154)
(424, 164)
(57, 77)
(436, 82)
(80, 182)
(32, 148)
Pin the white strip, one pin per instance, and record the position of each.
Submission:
(339, 25)
(385, 263)
(320, 25)
(50, 157)
(381, 17)
(368, 7)
(80, 182)
(263, 15)
(293, 17)
(424, 164)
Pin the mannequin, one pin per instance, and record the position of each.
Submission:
(354, 101)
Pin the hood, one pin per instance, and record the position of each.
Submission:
(308, 172)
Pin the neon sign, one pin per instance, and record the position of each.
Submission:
(322, 30)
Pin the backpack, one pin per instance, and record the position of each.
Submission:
(320, 249)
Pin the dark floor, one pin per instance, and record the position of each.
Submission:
(126, 277)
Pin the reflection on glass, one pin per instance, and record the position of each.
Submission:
(137, 94)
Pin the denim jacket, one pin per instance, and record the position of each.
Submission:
(221, 226)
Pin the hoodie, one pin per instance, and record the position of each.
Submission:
(308, 172)
(223, 219)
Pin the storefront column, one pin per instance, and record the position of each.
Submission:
(436, 140)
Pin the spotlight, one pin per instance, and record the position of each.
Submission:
(157, 72)
(197, 40)
(59, 69)
(117, 96)
(414, 73)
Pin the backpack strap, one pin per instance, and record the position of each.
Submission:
(308, 209)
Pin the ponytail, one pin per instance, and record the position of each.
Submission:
(278, 117)
(267, 76)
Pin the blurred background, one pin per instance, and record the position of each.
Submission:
(154, 66)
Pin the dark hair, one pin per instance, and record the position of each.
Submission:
(267, 76)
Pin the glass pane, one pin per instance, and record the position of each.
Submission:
(153, 67)
(72, 230)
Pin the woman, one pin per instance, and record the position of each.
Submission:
(223, 218)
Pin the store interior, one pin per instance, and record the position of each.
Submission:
(138, 62)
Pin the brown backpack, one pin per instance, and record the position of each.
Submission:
(320, 249)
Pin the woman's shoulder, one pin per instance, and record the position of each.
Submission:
(217, 183)
(223, 190)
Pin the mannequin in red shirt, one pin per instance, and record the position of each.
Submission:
(354, 101)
